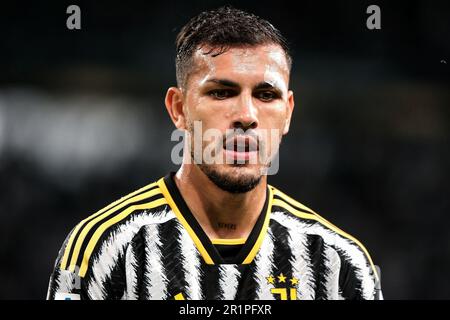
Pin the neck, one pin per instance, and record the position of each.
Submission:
(222, 215)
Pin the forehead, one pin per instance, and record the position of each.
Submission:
(254, 61)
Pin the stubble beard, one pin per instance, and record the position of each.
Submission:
(232, 183)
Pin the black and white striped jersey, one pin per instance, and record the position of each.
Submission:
(148, 245)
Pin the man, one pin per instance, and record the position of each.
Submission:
(216, 229)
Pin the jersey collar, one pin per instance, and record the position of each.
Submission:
(201, 240)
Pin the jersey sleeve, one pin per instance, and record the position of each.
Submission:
(64, 284)
(103, 278)
(359, 283)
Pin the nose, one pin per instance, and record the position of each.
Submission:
(245, 115)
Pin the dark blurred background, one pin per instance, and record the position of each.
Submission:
(83, 122)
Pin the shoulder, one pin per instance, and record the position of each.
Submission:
(103, 236)
(298, 218)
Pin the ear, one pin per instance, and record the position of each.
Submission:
(174, 106)
(290, 105)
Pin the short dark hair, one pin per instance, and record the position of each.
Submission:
(223, 28)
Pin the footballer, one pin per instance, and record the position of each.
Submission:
(217, 229)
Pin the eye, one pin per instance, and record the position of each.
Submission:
(220, 94)
(266, 96)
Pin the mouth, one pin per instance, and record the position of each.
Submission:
(240, 148)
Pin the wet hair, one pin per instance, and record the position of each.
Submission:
(222, 29)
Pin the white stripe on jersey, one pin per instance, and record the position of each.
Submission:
(154, 271)
(131, 275)
(355, 255)
(333, 264)
(264, 266)
(117, 242)
(190, 262)
(228, 281)
(301, 265)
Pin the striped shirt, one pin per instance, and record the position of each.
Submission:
(148, 245)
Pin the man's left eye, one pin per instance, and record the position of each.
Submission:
(266, 95)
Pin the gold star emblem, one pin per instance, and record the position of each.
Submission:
(270, 279)
(294, 281)
(281, 278)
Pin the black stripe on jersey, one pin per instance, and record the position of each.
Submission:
(290, 202)
(109, 217)
(53, 285)
(170, 237)
(349, 284)
(316, 251)
(248, 284)
(282, 253)
(209, 281)
(206, 242)
(114, 284)
(92, 217)
(140, 290)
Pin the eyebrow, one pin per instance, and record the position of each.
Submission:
(224, 82)
(232, 84)
(265, 85)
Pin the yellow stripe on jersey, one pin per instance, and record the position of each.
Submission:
(183, 221)
(77, 228)
(314, 216)
(102, 216)
(228, 241)
(263, 231)
(99, 232)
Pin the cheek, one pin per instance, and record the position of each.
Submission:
(209, 118)
(273, 116)
(213, 114)
(195, 111)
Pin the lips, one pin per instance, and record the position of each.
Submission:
(241, 144)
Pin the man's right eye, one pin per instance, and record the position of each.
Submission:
(220, 94)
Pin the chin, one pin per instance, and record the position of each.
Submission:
(233, 178)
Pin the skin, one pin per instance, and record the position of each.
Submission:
(257, 99)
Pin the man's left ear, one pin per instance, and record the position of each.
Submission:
(290, 105)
